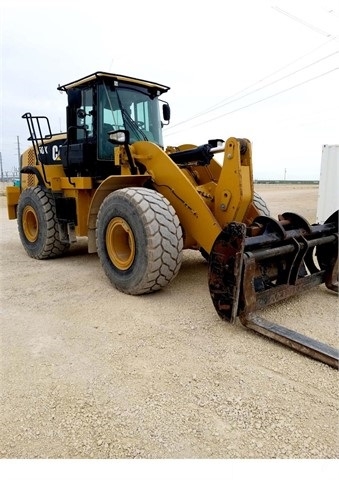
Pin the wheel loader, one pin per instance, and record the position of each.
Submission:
(109, 178)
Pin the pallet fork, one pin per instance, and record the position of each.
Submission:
(253, 267)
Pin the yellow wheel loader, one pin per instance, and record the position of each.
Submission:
(109, 178)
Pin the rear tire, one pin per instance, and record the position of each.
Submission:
(139, 240)
(37, 224)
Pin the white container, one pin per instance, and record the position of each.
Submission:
(328, 199)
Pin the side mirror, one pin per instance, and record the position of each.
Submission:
(74, 98)
(81, 113)
(166, 112)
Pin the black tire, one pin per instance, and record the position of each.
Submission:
(204, 253)
(37, 224)
(139, 240)
(261, 205)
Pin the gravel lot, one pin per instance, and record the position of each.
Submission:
(88, 372)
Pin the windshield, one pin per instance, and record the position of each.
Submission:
(129, 109)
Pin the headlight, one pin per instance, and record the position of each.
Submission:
(119, 137)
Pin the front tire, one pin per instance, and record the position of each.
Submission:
(139, 240)
(37, 224)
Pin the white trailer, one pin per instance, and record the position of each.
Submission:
(328, 196)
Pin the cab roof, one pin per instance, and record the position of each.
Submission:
(113, 77)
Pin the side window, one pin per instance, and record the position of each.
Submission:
(141, 114)
(85, 115)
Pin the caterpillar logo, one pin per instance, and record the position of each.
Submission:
(49, 154)
(55, 152)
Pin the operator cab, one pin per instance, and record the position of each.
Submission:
(100, 104)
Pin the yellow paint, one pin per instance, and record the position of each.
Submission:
(205, 198)
(194, 215)
(12, 194)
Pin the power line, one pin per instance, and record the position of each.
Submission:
(261, 88)
(231, 98)
(303, 22)
(263, 99)
(332, 12)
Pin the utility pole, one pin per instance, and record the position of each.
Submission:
(19, 154)
(1, 170)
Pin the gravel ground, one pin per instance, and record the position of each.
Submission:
(88, 372)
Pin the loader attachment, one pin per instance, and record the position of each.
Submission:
(271, 260)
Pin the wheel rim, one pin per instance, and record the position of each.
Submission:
(30, 224)
(120, 243)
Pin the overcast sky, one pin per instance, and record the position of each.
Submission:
(267, 70)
